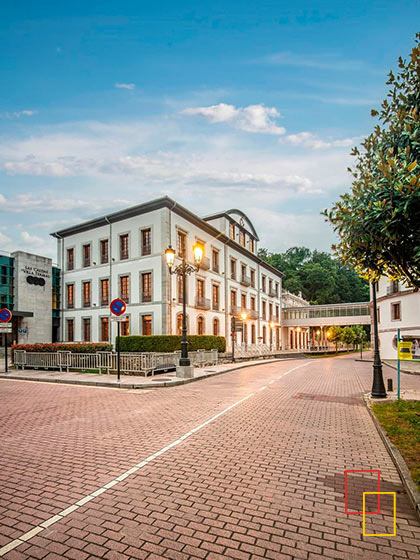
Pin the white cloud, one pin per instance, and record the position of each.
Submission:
(29, 239)
(50, 203)
(253, 118)
(310, 140)
(124, 86)
(4, 239)
(18, 114)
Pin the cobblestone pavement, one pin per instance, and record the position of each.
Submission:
(245, 465)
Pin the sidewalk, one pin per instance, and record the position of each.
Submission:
(127, 381)
(407, 366)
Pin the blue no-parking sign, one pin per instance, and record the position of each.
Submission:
(118, 307)
(5, 315)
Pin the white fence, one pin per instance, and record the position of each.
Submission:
(131, 363)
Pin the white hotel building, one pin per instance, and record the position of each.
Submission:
(122, 255)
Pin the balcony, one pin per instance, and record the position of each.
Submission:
(216, 305)
(274, 319)
(202, 303)
(205, 263)
(273, 293)
(245, 280)
(146, 298)
(86, 303)
(146, 249)
(252, 314)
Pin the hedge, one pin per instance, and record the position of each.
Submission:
(170, 343)
(84, 347)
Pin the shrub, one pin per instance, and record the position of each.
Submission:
(170, 343)
(83, 347)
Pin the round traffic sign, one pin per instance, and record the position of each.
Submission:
(5, 315)
(118, 306)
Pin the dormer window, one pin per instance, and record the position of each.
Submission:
(251, 245)
(232, 232)
(242, 238)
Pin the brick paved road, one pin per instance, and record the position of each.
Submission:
(263, 480)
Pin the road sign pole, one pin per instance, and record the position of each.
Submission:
(118, 351)
(5, 353)
(398, 366)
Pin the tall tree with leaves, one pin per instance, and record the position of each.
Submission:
(378, 222)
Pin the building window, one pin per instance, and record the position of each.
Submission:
(180, 289)
(125, 327)
(200, 288)
(146, 241)
(263, 282)
(264, 335)
(243, 271)
(104, 329)
(215, 260)
(216, 329)
(70, 259)
(264, 310)
(181, 244)
(396, 311)
(104, 249)
(233, 301)
(86, 329)
(124, 246)
(146, 287)
(251, 245)
(105, 291)
(86, 255)
(200, 325)
(70, 296)
(233, 269)
(253, 338)
(277, 313)
(270, 311)
(232, 232)
(86, 294)
(242, 238)
(243, 301)
(125, 288)
(270, 286)
(146, 325)
(215, 297)
(179, 323)
(252, 303)
(252, 273)
(70, 330)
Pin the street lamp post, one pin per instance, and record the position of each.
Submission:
(378, 387)
(183, 270)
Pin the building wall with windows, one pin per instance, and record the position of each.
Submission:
(122, 255)
(398, 308)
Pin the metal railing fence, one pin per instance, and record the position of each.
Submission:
(132, 363)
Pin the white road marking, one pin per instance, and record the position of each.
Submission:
(59, 516)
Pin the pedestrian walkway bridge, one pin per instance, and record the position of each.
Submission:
(327, 315)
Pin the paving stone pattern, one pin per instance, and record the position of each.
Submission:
(265, 480)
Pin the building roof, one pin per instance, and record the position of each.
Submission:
(228, 214)
(156, 204)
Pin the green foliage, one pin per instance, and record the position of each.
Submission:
(335, 335)
(170, 343)
(401, 420)
(320, 278)
(348, 336)
(378, 221)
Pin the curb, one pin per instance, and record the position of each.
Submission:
(397, 458)
(401, 370)
(174, 383)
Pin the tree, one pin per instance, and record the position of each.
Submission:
(320, 278)
(378, 220)
(335, 333)
(348, 336)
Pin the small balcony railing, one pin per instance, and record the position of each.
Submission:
(245, 280)
(105, 300)
(215, 305)
(146, 249)
(274, 319)
(86, 303)
(253, 314)
(146, 298)
(272, 293)
(202, 302)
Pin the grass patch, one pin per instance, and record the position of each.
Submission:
(401, 421)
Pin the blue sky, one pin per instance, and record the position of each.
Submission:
(218, 104)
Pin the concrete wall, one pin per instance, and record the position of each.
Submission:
(33, 293)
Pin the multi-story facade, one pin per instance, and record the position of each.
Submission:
(122, 255)
(398, 308)
(30, 288)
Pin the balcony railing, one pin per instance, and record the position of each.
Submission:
(273, 293)
(202, 303)
(86, 303)
(215, 305)
(205, 263)
(274, 319)
(253, 314)
(146, 298)
(105, 301)
(245, 280)
(146, 249)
